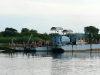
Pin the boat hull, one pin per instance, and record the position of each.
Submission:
(44, 48)
(60, 48)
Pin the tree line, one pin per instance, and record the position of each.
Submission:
(9, 33)
(92, 32)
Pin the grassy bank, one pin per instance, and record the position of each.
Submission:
(18, 39)
(4, 41)
(3, 46)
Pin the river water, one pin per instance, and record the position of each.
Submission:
(43, 63)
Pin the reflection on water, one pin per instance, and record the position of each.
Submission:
(43, 63)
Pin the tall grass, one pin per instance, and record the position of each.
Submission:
(18, 39)
(5, 39)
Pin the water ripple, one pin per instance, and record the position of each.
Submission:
(63, 64)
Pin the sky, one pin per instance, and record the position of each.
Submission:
(41, 15)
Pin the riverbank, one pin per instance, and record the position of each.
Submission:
(3, 46)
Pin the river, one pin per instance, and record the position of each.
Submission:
(43, 63)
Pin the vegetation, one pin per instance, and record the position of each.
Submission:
(9, 33)
(91, 32)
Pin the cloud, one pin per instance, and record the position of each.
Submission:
(36, 14)
(47, 7)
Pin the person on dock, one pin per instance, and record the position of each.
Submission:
(47, 43)
(9, 45)
(39, 43)
(33, 44)
(23, 44)
(43, 43)
(16, 44)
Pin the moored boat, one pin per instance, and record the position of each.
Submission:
(60, 43)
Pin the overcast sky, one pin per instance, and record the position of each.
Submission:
(41, 15)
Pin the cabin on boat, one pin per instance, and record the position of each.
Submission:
(67, 37)
(81, 41)
(78, 38)
(60, 39)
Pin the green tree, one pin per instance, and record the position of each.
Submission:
(25, 30)
(91, 29)
(91, 33)
(34, 31)
(1, 34)
(10, 29)
(10, 32)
